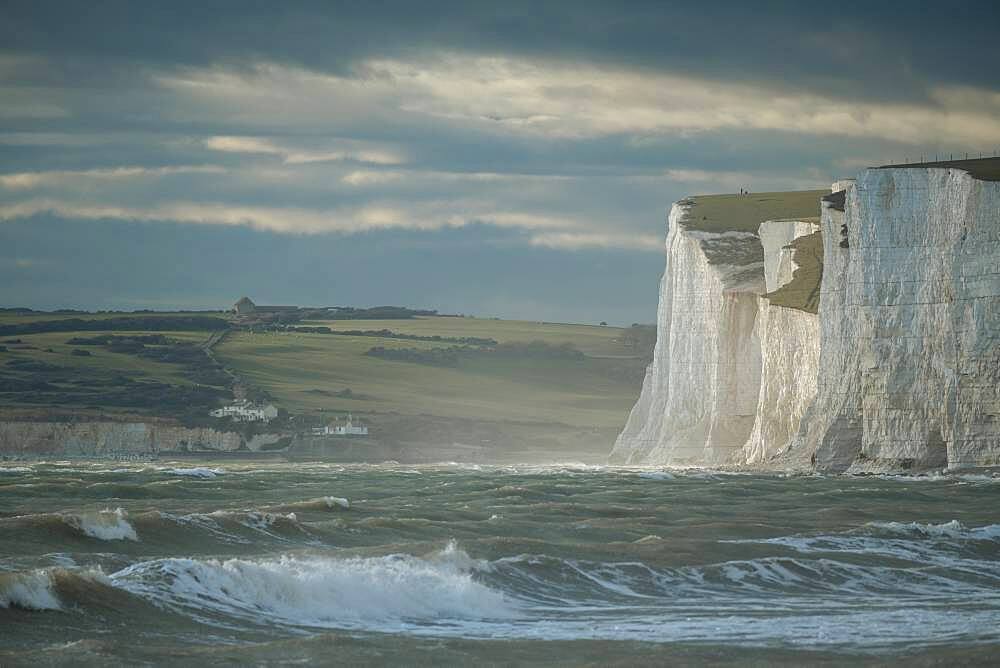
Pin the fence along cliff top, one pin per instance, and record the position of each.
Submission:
(982, 169)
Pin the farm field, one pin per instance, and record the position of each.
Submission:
(308, 373)
(592, 340)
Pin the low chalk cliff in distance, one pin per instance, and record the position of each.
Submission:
(115, 439)
(865, 340)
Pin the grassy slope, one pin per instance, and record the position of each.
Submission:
(292, 366)
(802, 292)
(100, 364)
(590, 339)
(100, 359)
(745, 213)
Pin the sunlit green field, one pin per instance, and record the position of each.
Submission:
(303, 372)
(308, 373)
(589, 339)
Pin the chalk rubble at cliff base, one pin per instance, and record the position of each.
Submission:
(898, 368)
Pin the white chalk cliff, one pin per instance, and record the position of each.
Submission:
(868, 339)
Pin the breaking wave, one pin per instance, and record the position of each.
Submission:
(28, 591)
(103, 525)
(449, 593)
(107, 524)
(321, 592)
(321, 503)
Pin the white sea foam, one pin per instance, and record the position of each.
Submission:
(15, 469)
(30, 591)
(656, 475)
(949, 545)
(953, 530)
(261, 521)
(337, 502)
(942, 476)
(323, 502)
(106, 524)
(196, 472)
(204, 522)
(380, 592)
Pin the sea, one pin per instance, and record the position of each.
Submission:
(274, 563)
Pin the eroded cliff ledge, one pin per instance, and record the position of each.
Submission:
(868, 342)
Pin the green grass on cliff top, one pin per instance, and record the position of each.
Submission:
(983, 169)
(745, 213)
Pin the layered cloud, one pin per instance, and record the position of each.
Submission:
(555, 99)
(338, 151)
(31, 180)
(542, 131)
(296, 220)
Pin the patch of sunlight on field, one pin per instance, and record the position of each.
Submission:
(304, 371)
(589, 339)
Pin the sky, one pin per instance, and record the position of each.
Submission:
(512, 159)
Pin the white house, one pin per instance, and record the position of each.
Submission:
(347, 429)
(244, 411)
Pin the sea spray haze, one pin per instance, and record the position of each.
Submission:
(459, 563)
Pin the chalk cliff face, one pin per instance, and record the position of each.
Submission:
(693, 405)
(789, 340)
(909, 375)
(699, 399)
(898, 370)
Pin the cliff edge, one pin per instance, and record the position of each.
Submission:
(867, 339)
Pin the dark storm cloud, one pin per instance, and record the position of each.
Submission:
(860, 49)
(419, 152)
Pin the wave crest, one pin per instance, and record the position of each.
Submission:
(321, 592)
(195, 472)
(30, 590)
(103, 525)
(320, 503)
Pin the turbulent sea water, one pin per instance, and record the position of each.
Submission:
(558, 565)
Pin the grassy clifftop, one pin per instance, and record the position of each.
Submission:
(983, 169)
(745, 213)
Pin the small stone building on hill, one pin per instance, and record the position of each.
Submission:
(246, 307)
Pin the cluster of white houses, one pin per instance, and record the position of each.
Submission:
(346, 429)
(244, 411)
